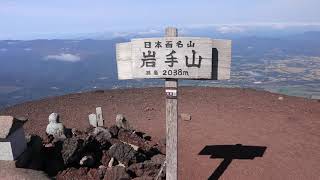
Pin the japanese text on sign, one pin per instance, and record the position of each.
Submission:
(172, 57)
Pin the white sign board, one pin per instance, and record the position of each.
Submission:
(174, 57)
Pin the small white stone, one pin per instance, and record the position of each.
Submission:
(121, 164)
(87, 161)
(110, 164)
(185, 117)
(100, 119)
(93, 120)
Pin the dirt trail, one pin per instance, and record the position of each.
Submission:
(288, 128)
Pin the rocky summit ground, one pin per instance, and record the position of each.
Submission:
(279, 135)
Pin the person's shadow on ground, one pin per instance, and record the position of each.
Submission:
(228, 153)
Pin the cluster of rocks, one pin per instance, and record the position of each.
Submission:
(116, 152)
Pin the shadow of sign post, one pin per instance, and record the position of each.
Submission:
(229, 153)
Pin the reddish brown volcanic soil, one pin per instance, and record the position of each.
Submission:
(288, 128)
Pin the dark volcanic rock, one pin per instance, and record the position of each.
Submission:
(72, 150)
(158, 159)
(80, 155)
(103, 136)
(146, 168)
(105, 158)
(114, 131)
(116, 173)
(161, 146)
(68, 132)
(125, 154)
(53, 162)
(89, 130)
(131, 138)
(48, 139)
(151, 150)
(92, 146)
(122, 152)
(114, 141)
(75, 132)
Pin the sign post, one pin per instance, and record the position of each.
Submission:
(171, 88)
(172, 58)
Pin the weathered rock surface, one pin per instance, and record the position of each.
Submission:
(146, 168)
(125, 154)
(75, 132)
(116, 173)
(131, 138)
(105, 159)
(114, 141)
(122, 152)
(103, 136)
(72, 150)
(158, 159)
(114, 131)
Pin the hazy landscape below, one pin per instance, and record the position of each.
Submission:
(35, 69)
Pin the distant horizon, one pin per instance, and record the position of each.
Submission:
(224, 29)
(34, 19)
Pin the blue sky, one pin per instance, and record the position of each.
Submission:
(19, 18)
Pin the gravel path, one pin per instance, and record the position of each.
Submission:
(288, 128)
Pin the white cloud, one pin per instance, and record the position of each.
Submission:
(54, 88)
(245, 26)
(151, 31)
(126, 34)
(63, 57)
(121, 34)
(230, 29)
(12, 42)
(103, 78)
(27, 49)
(3, 49)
